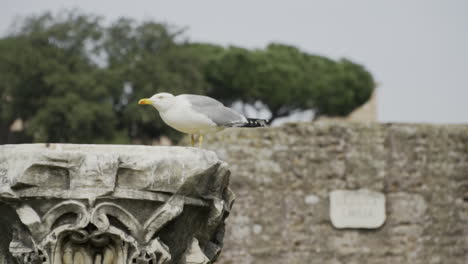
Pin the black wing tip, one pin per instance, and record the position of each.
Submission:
(254, 122)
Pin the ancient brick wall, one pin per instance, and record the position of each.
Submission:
(282, 178)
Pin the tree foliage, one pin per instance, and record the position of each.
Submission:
(72, 79)
(51, 81)
(286, 80)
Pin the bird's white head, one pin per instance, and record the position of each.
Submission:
(161, 101)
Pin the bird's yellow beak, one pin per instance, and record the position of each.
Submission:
(144, 101)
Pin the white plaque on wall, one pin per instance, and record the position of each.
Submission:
(357, 209)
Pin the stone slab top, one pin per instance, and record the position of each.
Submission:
(76, 171)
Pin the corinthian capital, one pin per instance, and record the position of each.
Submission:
(101, 204)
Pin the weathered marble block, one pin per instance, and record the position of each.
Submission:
(64, 203)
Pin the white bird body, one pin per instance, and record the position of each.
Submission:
(197, 115)
(181, 117)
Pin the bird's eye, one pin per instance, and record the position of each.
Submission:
(160, 97)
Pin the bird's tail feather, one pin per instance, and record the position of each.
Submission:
(254, 122)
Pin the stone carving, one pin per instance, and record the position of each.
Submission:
(114, 204)
(357, 209)
(194, 255)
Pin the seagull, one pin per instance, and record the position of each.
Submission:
(197, 115)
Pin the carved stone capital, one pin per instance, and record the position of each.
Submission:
(113, 204)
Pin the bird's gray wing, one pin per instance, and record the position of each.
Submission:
(214, 110)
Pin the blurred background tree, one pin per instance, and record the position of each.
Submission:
(51, 82)
(69, 78)
(287, 80)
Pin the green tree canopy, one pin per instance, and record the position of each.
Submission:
(286, 80)
(72, 78)
(51, 82)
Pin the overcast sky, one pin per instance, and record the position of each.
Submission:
(416, 49)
